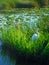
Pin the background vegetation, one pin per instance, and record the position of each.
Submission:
(8, 4)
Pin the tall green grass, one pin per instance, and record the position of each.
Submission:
(21, 40)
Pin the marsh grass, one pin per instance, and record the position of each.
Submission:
(19, 40)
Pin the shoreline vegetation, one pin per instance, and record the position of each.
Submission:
(29, 10)
(9, 4)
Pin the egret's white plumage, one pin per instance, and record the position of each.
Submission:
(35, 36)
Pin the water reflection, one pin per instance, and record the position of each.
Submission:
(5, 58)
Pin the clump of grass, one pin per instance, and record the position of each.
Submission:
(19, 39)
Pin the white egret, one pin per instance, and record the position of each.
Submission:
(35, 35)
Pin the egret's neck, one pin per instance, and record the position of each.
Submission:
(37, 30)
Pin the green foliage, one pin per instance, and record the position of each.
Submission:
(44, 25)
(20, 39)
(9, 4)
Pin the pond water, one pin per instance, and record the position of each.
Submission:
(5, 58)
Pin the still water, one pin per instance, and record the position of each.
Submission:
(5, 59)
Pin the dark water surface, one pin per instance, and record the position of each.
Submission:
(5, 58)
